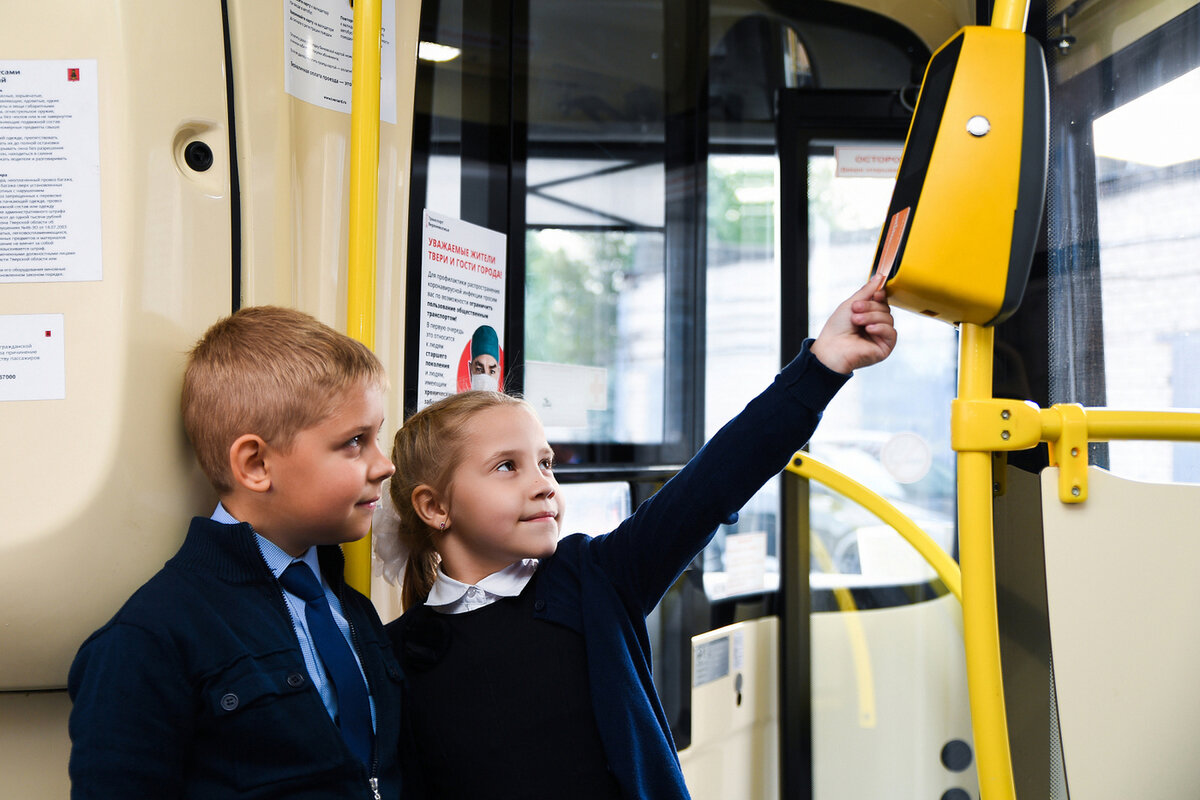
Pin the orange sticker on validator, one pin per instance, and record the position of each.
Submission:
(891, 243)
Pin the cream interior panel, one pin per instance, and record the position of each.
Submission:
(889, 691)
(933, 21)
(35, 750)
(104, 483)
(734, 750)
(294, 169)
(1123, 598)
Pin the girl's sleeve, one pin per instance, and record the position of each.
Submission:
(649, 550)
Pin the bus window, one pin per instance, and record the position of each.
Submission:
(889, 428)
(1147, 190)
(742, 351)
(1122, 233)
(595, 508)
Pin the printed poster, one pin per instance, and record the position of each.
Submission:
(318, 48)
(32, 357)
(462, 308)
(49, 172)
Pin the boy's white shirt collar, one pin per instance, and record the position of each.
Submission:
(449, 596)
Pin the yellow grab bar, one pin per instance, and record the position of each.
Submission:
(364, 207)
(807, 466)
(1001, 424)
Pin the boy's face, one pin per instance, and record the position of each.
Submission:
(324, 489)
(503, 500)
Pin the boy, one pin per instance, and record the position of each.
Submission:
(246, 667)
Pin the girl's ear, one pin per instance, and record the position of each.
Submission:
(430, 507)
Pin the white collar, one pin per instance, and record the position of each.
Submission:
(449, 596)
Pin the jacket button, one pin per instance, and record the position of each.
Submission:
(295, 680)
(539, 605)
(229, 701)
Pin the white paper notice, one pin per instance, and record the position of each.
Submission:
(49, 172)
(745, 562)
(462, 308)
(563, 394)
(32, 361)
(318, 38)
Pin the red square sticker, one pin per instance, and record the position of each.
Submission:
(72, 73)
(47, 334)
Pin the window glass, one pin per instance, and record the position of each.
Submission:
(889, 427)
(594, 508)
(742, 351)
(1148, 190)
(596, 296)
(594, 317)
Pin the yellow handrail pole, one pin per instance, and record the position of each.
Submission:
(364, 208)
(981, 636)
(806, 466)
(1010, 15)
(1106, 424)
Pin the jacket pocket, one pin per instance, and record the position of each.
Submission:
(269, 725)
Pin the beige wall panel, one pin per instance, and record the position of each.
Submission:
(106, 482)
(889, 690)
(34, 746)
(1123, 599)
(104, 485)
(934, 21)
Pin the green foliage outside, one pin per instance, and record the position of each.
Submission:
(573, 283)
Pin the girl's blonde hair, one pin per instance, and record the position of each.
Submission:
(427, 448)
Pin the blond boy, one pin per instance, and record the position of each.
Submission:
(219, 677)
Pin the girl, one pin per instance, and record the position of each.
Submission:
(527, 656)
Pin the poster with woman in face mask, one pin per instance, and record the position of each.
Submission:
(462, 308)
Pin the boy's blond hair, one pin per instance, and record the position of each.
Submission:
(268, 371)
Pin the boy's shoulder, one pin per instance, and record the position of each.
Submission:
(182, 588)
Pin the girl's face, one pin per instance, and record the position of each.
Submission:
(502, 503)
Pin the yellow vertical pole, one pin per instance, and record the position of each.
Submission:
(364, 194)
(981, 629)
(1010, 14)
(981, 634)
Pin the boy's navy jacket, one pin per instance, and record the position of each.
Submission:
(604, 587)
(197, 687)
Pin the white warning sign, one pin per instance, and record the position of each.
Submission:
(318, 44)
(49, 172)
(32, 357)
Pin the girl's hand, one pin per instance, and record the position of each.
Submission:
(860, 332)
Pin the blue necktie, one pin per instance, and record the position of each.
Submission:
(354, 709)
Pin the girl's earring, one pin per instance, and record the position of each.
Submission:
(442, 526)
